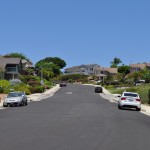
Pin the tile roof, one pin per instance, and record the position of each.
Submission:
(142, 66)
(110, 70)
(5, 61)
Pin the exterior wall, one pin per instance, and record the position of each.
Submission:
(12, 71)
(134, 69)
(83, 69)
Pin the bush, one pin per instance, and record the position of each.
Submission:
(22, 87)
(33, 83)
(1, 90)
(28, 78)
(5, 86)
(4, 83)
(37, 89)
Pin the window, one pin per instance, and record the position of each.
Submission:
(131, 94)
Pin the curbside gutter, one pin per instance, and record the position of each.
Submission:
(145, 109)
(114, 97)
(37, 96)
(40, 96)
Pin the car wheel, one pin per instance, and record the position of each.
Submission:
(138, 109)
(22, 103)
(26, 103)
(119, 107)
(5, 105)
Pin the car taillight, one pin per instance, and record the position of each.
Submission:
(138, 99)
(123, 98)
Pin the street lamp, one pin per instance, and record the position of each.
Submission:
(103, 75)
(42, 76)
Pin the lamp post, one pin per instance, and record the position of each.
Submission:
(41, 76)
(42, 83)
(103, 75)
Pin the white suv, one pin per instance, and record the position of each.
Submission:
(130, 100)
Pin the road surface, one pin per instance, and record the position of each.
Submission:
(75, 118)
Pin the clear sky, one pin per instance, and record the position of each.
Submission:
(78, 31)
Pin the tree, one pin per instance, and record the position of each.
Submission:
(115, 62)
(49, 68)
(135, 75)
(56, 60)
(124, 70)
(146, 76)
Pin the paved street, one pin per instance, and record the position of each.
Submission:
(74, 118)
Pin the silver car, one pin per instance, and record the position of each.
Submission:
(129, 100)
(15, 99)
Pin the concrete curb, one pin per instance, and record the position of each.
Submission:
(39, 96)
(144, 108)
(46, 94)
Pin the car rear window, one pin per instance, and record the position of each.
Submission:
(98, 87)
(131, 94)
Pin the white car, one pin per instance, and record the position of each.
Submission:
(129, 100)
(15, 98)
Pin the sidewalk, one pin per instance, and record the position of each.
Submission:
(38, 96)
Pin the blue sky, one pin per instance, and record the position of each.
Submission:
(78, 31)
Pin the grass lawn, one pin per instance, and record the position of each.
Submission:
(142, 90)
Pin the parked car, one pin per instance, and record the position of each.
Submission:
(63, 84)
(129, 100)
(98, 89)
(16, 98)
(139, 82)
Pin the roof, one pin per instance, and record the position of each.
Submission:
(72, 69)
(89, 66)
(110, 70)
(5, 61)
(142, 66)
(148, 64)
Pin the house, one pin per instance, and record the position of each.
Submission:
(137, 67)
(103, 72)
(26, 64)
(89, 69)
(82, 69)
(74, 70)
(11, 68)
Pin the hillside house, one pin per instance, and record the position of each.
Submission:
(11, 68)
(102, 72)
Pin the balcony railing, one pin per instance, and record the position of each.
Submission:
(12, 69)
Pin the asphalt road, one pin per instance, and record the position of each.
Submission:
(75, 118)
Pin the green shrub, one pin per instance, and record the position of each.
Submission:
(109, 87)
(37, 89)
(5, 86)
(4, 83)
(48, 83)
(33, 83)
(1, 89)
(22, 87)
(27, 78)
